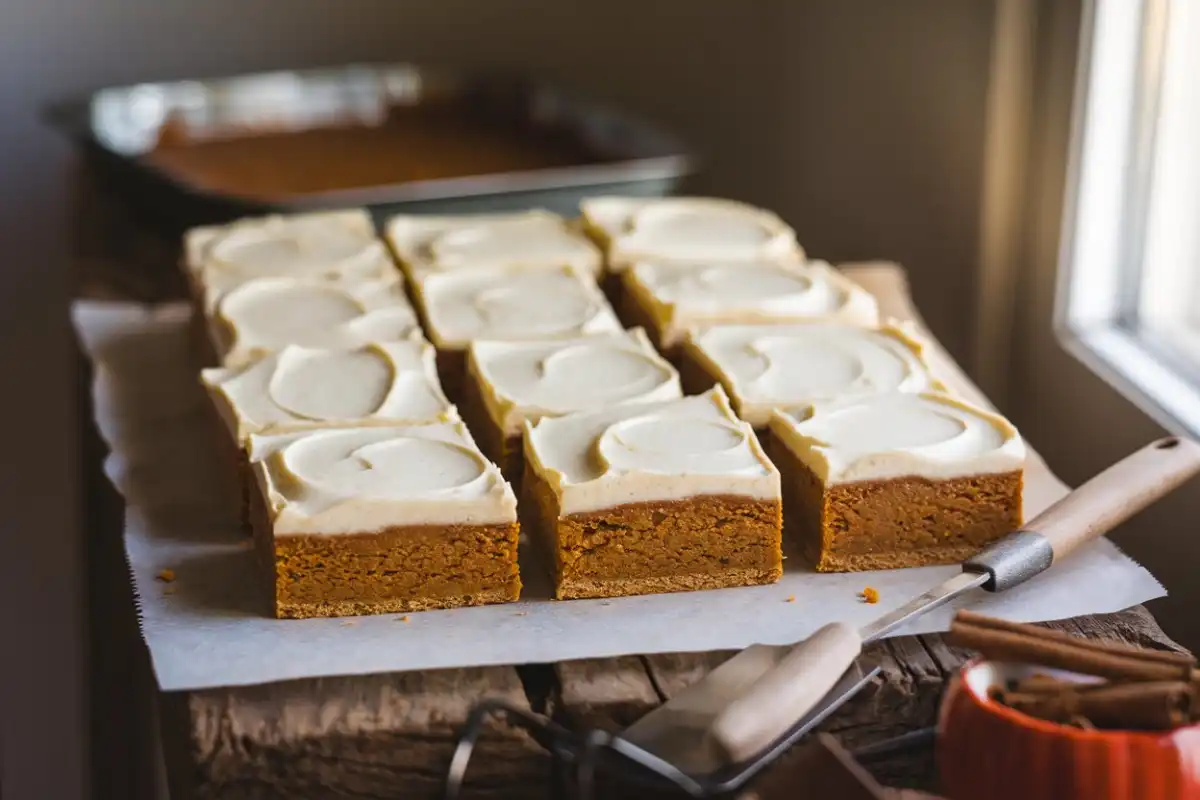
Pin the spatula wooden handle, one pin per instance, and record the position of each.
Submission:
(778, 699)
(1116, 494)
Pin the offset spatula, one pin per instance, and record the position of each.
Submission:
(758, 697)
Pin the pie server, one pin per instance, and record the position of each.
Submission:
(766, 697)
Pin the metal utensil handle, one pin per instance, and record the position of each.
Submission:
(1095, 508)
(784, 694)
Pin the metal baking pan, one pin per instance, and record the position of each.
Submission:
(118, 130)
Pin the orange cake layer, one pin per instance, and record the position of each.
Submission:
(897, 522)
(703, 542)
(400, 569)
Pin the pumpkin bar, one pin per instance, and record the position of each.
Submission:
(506, 304)
(764, 367)
(668, 299)
(631, 229)
(896, 480)
(509, 383)
(530, 239)
(267, 314)
(652, 497)
(381, 520)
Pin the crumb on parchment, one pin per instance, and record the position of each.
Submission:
(791, 598)
(348, 623)
(402, 619)
(165, 575)
(870, 595)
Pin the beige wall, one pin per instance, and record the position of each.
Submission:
(860, 120)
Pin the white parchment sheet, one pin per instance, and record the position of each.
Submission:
(210, 626)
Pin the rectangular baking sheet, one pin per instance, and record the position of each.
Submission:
(209, 626)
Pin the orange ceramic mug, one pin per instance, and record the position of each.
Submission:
(987, 751)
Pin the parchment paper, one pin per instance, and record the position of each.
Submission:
(210, 626)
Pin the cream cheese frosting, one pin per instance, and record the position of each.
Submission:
(645, 452)
(530, 239)
(687, 229)
(512, 305)
(319, 245)
(363, 480)
(298, 388)
(879, 437)
(764, 367)
(529, 380)
(267, 314)
(679, 296)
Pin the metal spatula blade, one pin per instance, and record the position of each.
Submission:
(743, 706)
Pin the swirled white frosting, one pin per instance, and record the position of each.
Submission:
(897, 435)
(680, 296)
(268, 314)
(687, 229)
(298, 388)
(319, 245)
(528, 239)
(362, 480)
(512, 305)
(643, 452)
(531, 380)
(764, 367)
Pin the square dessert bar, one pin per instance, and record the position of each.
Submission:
(267, 314)
(380, 520)
(511, 382)
(529, 239)
(668, 299)
(653, 497)
(687, 229)
(764, 367)
(509, 305)
(896, 480)
(300, 388)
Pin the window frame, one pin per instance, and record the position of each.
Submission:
(1107, 213)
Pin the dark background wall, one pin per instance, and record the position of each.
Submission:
(862, 122)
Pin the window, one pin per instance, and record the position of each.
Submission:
(1128, 301)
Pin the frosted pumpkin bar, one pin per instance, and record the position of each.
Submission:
(653, 497)
(530, 239)
(508, 305)
(764, 367)
(631, 229)
(509, 383)
(267, 314)
(378, 520)
(896, 480)
(668, 299)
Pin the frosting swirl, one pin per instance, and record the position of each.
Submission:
(298, 388)
(791, 366)
(268, 314)
(689, 229)
(529, 239)
(878, 437)
(529, 380)
(513, 305)
(355, 480)
(647, 452)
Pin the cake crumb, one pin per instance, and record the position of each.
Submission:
(522, 613)
(791, 598)
(402, 619)
(166, 575)
(348, 623)
(870, 595)
(606, 602)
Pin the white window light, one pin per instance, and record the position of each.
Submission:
(1128, 301)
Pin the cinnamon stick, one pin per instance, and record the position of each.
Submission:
(1183, 660)
(1137, 706)
(1070, 653)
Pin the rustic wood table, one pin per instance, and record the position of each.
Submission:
(391, 735)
